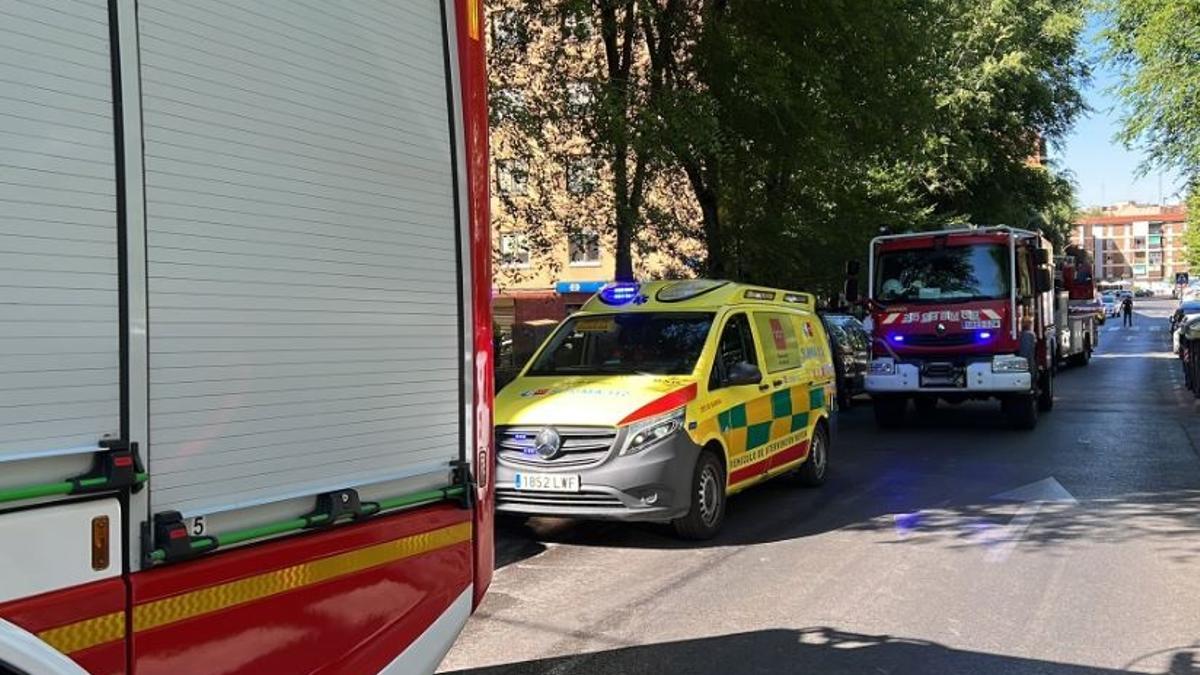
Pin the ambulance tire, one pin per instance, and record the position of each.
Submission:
(889, 411)
(1021, 410)
(706, 511)
(812, 472)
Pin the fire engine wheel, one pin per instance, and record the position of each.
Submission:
(707, 510)
(1082, 358)
(1045, 399)
(812, 472)
(889, 411)
(1021, 410)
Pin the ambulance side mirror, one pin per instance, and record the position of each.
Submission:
(741, 374)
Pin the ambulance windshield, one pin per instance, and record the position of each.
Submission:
(950, 273)
(630, 343)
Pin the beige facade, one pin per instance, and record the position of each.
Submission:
(552, 202)
(1134, 242)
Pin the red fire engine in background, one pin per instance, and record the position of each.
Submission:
(971, 313)
(246, 353)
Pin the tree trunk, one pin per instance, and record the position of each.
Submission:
(716, 264)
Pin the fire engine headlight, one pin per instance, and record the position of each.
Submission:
(1009, 363)
(883, 366)
(649, 433)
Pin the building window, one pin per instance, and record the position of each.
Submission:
(512, 176)
(1156, 258)
(583, 249)
(583, 175)
(579, 96)
(514, 249)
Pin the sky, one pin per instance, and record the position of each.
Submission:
(1106, 172)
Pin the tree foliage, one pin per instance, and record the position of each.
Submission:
(1156, 46)
(797, 128)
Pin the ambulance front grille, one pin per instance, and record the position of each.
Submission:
(581, 446)
(557, 499)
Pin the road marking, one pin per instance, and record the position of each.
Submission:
(1002, 540)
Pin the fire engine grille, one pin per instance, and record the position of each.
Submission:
(948, 340)
(581, 446)
(557, 499)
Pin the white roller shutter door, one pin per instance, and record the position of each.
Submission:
(303, 275)
(59, 312)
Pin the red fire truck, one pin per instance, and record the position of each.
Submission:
(245, 351)
(969, 313)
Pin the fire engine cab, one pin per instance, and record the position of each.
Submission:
(970, 313)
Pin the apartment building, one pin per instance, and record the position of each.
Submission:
(1137, 243)
(552, 200)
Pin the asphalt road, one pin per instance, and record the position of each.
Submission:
(953, 546)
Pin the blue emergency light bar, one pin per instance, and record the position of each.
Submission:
(620, 293)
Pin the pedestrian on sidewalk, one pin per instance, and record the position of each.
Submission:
(1127, 311)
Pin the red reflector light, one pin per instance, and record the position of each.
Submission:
(123, 461)
(179, 533)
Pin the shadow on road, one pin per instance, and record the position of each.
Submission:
(898, 504)
(822, 650)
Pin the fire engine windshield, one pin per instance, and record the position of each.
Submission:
(634, 342)
(951, 273)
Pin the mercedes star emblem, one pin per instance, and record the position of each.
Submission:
(941, 328)
(548, 443)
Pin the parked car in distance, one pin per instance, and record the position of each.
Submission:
(1110, 304)
(851, 347)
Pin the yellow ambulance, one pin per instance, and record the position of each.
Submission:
(658, 400)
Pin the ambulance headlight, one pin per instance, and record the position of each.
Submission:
(649, 433)
(1009, 363)
(884, 365)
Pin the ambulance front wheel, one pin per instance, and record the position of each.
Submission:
(812, 472)
(706, 511)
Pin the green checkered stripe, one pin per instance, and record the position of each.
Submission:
(758, 417)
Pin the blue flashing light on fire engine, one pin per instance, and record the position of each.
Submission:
(985, 335)
(897, 338)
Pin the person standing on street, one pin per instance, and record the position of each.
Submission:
(1127, 311)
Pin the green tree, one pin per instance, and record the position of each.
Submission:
(1155, 44)
(804, 127)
